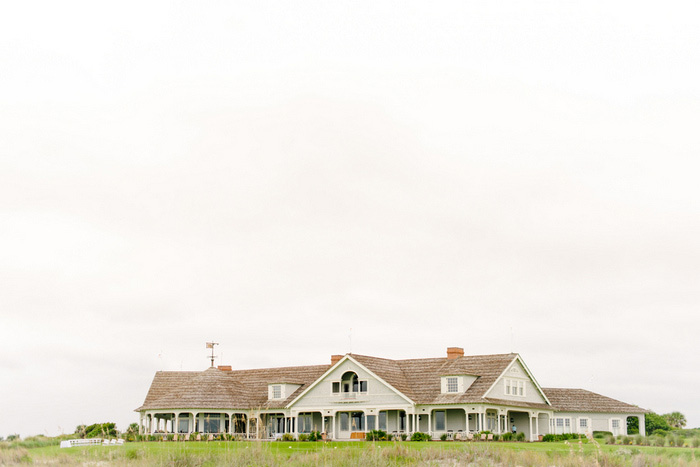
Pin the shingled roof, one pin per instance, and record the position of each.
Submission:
(580, 400)
(419, 379)
(219, 389)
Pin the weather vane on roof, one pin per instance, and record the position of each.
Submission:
(210, 345)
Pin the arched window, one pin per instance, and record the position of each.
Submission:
(349, 382)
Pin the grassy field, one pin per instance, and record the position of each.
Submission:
(354, 454)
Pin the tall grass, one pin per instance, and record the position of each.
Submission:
(354, 454)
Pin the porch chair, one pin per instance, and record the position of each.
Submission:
(490, 437)
(187, 437)
(470, 436)
(483, 437)
(105, 442)
(210, 437)
(175, 437)
(198, 437)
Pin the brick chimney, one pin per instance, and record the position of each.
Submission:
(336, 358)
(454, 352)
(224, 367)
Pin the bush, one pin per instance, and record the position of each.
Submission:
(418, 436)
(548, 438)
(287, 437)
(496, 437)
(509, 436)
(303, 437)
(610, 440)
(520, 436)
(443, 437)
(602, 434)
(376, 435)
(676, 441)
(658, 441)
(695, 442)
(315, 436)
(659, 432)
(403, 436)
(170, 437)
(625, 440)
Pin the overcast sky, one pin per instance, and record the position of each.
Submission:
(499, 176)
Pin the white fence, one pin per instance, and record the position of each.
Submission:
(69, 443)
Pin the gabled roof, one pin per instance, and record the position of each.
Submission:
(580, 400)
(218, 389)
(419, 379)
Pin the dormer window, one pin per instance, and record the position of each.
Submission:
(452, 384)
(277, 391)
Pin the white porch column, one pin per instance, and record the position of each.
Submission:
(642, 426)
(152, 427)
(537, 425)
(430, 425)
(176, 427)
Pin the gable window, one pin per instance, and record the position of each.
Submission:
(277, 391)
(514, 387)
(452, 384)
(349, 385)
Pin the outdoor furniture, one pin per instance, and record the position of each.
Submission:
(187, 437)
(210, 437)
(470, 436)
(490, 437)
(483, 437)
(357, 435)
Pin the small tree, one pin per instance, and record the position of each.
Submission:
(13, 437)
(675, 419)
(654, 422)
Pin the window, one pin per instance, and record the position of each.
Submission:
(305, 423)
(211, 422)
(349, 385)
(358, 421)
(382, 420)
(615, 426)
(452, 384)
(276, 391)
(514, 387)
(440, 420)
(583, 422)
(371, 422)
(344, 421)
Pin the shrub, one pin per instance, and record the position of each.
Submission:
(676, 441)
(404, 436)
(303, 437)
(695, 442)
(548, 438)
(626, 440)
(509, 436)
(443, 437)
(520, 436)
(659, 432)
(376, 435)
(601, 434)
(658, 441)
(170, 437)
(638, 440)
(315, 436)
(287, 437)
(610, 440)
(496, 437)
(418, 436)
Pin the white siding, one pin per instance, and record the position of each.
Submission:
(516, 373)
(378, 394)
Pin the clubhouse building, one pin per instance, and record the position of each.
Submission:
(454, 395)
